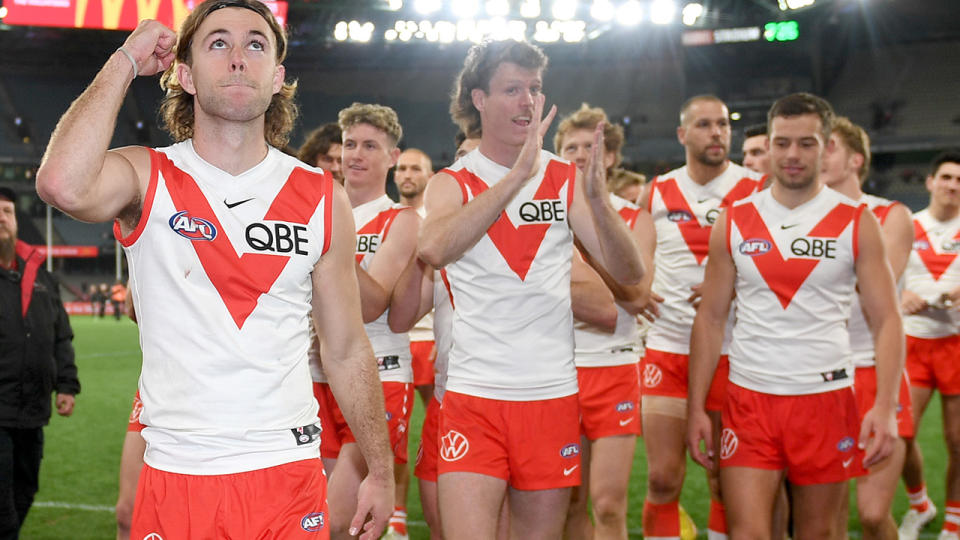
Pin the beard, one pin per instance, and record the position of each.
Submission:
(712, 161)
(8, 247)
(409, 189)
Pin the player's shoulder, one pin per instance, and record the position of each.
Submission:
(739, 172)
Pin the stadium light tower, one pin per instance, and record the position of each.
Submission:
(662, 11)
(394, 5)
(691, 12)
(630, 13)
(602, 10)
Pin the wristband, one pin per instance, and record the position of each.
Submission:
(132, 61)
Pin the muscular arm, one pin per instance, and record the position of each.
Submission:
(378, 281)
(878, 295)
(350, 366)
(897, 233)
(706, 339)
(635, 298)
(413, 296)
(591, 300)
(78, 174)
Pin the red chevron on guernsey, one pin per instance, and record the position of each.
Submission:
(519, 244)
(936, 263)
(785, 276)
(241, 280)
(379, 225)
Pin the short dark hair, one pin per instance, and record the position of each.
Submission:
(948, 156)
(685, 108)
(803, 103)
(754, 131)
(8, 194)
(319, 142)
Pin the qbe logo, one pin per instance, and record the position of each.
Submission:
(728, 443)
(453, 446)
(754, 247)
(570, 450)
(191, 227)
(652, 376)
(845, 444)
(312, 522)
(542, 211)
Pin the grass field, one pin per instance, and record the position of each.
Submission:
(79, 474)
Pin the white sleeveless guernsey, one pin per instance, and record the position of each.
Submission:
(221, 273)
(794, 286)
(512, 324)
(597, 348)
(442, 332)
(861, 338)
(683, 213)
(373, 220)
(933, 269)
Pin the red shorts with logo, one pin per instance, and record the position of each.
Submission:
(932, 363)
(398, 399)
(426, 468)
(533, 445)
(865, 390)
(422, 352)
(813, 436)
(133, 424)
(286, 501)
(609, 401)
(668, 374)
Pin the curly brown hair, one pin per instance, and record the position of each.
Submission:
(176, 110)
(482, 61)
(319, 142)
(379, 116)
(587, 117)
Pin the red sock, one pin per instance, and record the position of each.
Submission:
(718, 517)
(951, 517)
(398, 521)
(661, 520)
(918, 497)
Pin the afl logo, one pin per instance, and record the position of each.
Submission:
(652, 376)
(679, 216)
(453, 446)
(570, 450)
(192, 228)
(624, 406)
(754, 247)
(845, 444)
(728, 443)
(312, 522)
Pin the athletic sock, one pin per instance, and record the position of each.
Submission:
(918, 498)
(717, 523)
(398, 521)
(661, 520)
(951, 517)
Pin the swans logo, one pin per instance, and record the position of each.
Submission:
(192, 228)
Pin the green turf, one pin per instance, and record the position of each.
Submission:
(82, 452)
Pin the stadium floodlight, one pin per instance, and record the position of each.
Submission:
(691, 12)
(662, 11)
(786, 5)
(446, 31)
(573, 31)
(498, 8)
(360, 32)
(602, 10)
(340, 31)
(391, 34)
(465, 9)
(426, 7)
(735, 116)
(545, 33)
(530, 9)
(564, 9)
(394, 5)
(630, 13)
(3, 11)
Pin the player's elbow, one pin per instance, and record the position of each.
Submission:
(55, 188)
(630, 272)
(430, 250)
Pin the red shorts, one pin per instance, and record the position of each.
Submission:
(426, 468)
(812, 436)
(865, 390)
(133, 424)
(533, 445)
(609, 401)
(668, 374)
(422, 352)
(398, 399)
(932, 363)
(286, 501)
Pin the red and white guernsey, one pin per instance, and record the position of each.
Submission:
(221, 267)
(442, 333)
(933, 269)
(512, 324)
(861, 338)
(598, 348)
(683, 213)
(794, 287)
(373, 220)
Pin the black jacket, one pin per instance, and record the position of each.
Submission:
(36, 350)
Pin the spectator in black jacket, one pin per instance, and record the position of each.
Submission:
(36, 358)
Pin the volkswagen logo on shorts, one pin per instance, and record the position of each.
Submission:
(153, 536)
(312, 522)
(845, 444)
(453, 446)
(728, 443)
(652, 376)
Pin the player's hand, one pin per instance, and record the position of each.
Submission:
(65, 403)
(374, 507)
(695, 296)
(595, 174)
(151, 45)
(699, 429)
(878, 434)
(910, 303)
(528, 162)
(652, 310)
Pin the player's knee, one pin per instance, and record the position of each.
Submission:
(874, 519)
(610, 510)
(666, 482)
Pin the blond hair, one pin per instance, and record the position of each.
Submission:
(856, 140)
(587, 117)
(622, 178)
(379, 116)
